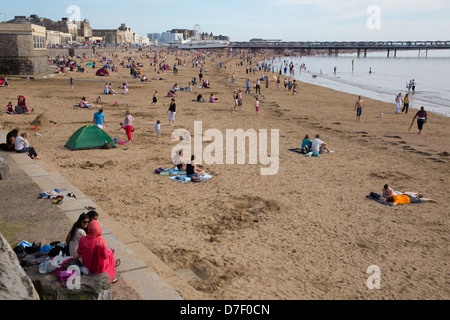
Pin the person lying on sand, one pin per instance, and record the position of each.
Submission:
(388, 191)
(405, 199)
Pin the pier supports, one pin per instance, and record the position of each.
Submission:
(365, 53)
(389, 51)
(421, 54)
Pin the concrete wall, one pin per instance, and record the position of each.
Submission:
(53, 52)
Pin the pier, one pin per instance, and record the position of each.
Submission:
(361, 48)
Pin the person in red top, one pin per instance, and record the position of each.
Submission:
(422, 118)
(95, 255)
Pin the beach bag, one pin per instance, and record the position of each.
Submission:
(197, 179)
(159, 170)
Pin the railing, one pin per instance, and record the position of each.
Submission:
(346, 45)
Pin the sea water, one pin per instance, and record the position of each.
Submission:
(388, 76)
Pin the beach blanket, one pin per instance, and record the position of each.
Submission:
(185, 178)
(376, 197)
(171, 172)
(297, 150)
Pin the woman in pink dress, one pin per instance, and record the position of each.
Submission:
(95, 255)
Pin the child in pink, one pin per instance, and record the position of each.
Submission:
(128, 125)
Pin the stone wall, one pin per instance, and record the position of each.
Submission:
(17, 55)
(14, 282)
(53, 52)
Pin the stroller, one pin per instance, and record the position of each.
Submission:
(21, 107)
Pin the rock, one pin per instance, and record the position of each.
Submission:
(93, 286)
(14, 282)
(4, 169)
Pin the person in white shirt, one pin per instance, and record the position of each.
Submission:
(20, 148)
(77, 231)
(318, 145)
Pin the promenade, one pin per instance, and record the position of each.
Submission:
(141, 270)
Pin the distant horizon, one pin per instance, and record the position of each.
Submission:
(288, 20)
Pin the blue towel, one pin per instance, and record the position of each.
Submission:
(185, 178)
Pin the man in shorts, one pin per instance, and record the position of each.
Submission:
(99, 119)
(240, 103)
(318, 146)
(421, 116)
(358, 107)
(172, 111)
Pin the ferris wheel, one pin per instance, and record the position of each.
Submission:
(197, 32)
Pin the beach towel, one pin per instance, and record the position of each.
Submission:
(168, 172)
(185, 178)
(297, 150)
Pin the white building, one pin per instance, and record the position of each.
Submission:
(154, 36)
(167, 37)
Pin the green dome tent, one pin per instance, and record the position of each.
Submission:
(89, 137)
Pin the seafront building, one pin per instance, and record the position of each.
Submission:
(23, 48)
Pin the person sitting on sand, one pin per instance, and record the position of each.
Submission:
(106, 91)
(192, 170)
(200, 98)
(318, 147)
(212, 99)
(405, 199)
(177, 160)
(84, 104)
(10, 108)
(306, 144)
(172, 94)
(111, 90)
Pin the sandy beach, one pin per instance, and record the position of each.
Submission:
(307, 232)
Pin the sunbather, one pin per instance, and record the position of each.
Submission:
(405, 199)
(177, 160)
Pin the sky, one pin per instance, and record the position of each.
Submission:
(287, 20)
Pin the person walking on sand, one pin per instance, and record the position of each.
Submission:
(235, 101)
(99, 119)
(422, 118)
(158, 128)
(294, 88)
(128, 124)
(172, 111)
(71, 83)
(358, 107)
(258, 86)
(155, 98)
(247, 86)
(257, 105)
(398, 103)
(240, 103)
(406, 104)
